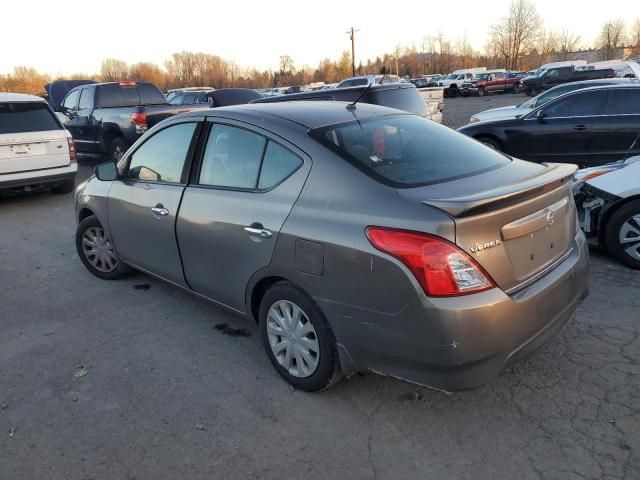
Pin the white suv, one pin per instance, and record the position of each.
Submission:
(35, 149)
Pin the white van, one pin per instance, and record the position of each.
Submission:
(35, 149)
(454, 80)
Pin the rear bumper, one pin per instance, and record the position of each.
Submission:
(38, 178)
(463, 342)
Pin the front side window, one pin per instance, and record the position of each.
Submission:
(581, 104)
(86, 99)
(161, 158)
(71, 100)
(408, 151)
(189, 99)
(232, 158)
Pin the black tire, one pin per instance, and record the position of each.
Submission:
(490, 142)
(516, 88)
(453, 92)
(481, 92)
(618, 219)
(120, 269)
(327, 372)
(529, 92)
(64, 188)
(118, 149)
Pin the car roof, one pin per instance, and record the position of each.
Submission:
(609, 82)
(20, 97)
(310, 114)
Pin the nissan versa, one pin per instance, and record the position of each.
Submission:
(359, 237)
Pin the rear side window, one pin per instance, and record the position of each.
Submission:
(110, 95)
(189, 99)
(232, 158)
(624, 102)
(277, 165)
(130, 95)
(71, 100)
(22, 117)
(580, 104)
(408, 151)
(161, 158)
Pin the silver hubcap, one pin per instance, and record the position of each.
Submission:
(293, 339)
(98, 250)
(629, 237)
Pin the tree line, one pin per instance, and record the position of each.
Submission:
(517, 41)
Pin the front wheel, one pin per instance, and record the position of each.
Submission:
(515, 89)
(298, 339)
(118, 149)
(97, 252)
(622, 234)
(481, 92)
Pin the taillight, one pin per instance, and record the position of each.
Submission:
(73, 156)
(441, 268)
(139, 119)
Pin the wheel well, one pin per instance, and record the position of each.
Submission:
(258, 292)
(84, 213)
(490, 137)
(108, 137)
(606, 216)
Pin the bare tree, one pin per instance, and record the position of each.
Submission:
(113, 69)
(547, 44)
(567, 43)
(634, 37)
(516, 34)
(148, 72)
(465, 52)
(611, 38)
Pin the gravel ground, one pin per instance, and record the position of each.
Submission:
(132, 380)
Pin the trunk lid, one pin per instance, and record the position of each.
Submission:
(516, 222)
(23, 152)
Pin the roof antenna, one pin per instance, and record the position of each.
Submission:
(352, 106)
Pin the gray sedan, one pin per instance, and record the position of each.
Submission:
(358, 237)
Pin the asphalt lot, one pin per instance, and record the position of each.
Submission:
(164, 394)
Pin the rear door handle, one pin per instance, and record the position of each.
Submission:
(580, 127)
(258, 232)
(160, 210)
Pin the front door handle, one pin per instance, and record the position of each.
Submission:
(580, 127)
(258, 232)
(160, 210)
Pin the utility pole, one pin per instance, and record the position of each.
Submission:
(351, 32)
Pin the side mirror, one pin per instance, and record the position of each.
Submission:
(107, 172)
(541, 116)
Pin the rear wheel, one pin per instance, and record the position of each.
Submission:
(118, 149)
(97, 252)
(66, 187)
(516, 88)
(481, 92)
(453, 91)
(298, 339)
(622, 234)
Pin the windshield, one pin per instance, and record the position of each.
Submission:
(453, 76)
(408, 151)
(354, 82)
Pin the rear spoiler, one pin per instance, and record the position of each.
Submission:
(556, 175)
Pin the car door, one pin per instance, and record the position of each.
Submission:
(143, 205)
(235, 206)
(562, 132)
(85, 131)
(614, 134)
(70, 106)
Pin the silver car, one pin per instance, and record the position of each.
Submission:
(359, 237)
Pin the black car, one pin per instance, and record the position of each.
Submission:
(559, 75)
(588, 127)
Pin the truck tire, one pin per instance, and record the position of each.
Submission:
(622, 234)
(118, 149)
(453, 91)
(482, 92)
(515, 88)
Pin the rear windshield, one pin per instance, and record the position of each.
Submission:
(407, 99)
(22, 117)
(355, 82)
(116, 95)
(408, 151)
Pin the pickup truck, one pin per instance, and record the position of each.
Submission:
(559, 75)
(107, 118)
(490, 82)
(426, 102)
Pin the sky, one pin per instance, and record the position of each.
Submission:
(77, 36)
